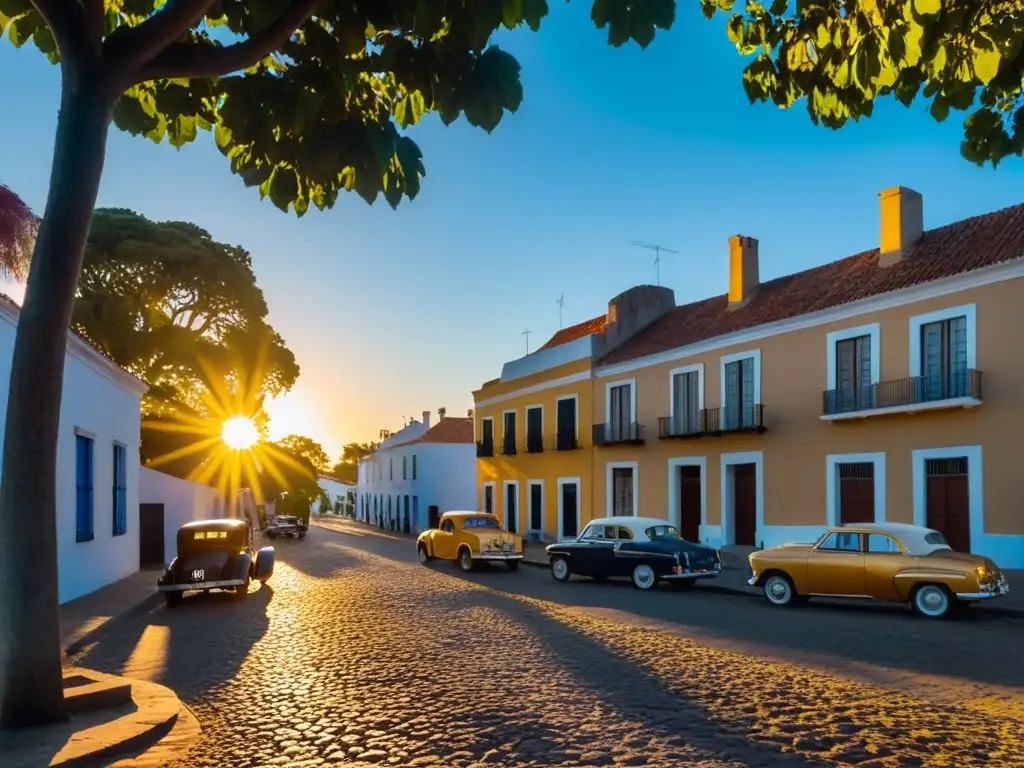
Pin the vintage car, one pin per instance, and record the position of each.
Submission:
(645, 549)
(470, 538)
(285, 525)
(215, 554)
(891, 562)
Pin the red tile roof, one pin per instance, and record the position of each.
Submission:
(578, 331)
(961, 247)
(451, 429)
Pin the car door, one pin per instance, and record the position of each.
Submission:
(623, 564)
(883, 559)
(444, 540)
(585, 553)
(836, 565)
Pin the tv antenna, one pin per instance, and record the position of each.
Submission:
(658, 250)
(561, 304)
(526, 334)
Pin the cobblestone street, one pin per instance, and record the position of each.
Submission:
(357, 655)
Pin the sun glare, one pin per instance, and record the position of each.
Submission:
(240, 433)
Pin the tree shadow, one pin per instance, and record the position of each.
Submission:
(192, 648)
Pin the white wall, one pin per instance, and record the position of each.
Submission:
(183, 500)
(445, 477)
(335, 490)
(102, 402)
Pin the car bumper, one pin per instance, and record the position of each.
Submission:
(201, 585)
(752, 581)
(502, 556)
(1000, 589)
(691, 575)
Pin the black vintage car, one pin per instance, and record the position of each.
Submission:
(215, 554)
(645, 549)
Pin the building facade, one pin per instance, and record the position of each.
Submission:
(165, 504)
(418, 474)
(97, 463)
(339, 494)
(877, 387)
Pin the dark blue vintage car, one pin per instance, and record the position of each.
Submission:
(215, 554)
(644, 549)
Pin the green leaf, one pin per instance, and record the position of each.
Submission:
(940, 108)
(533, 12)
(409, 109)
(511, 13)
(927, 7)
(283, 187)
(14, 8)
(222, 136)
(986, 60)
(778, 7)
(22, 28)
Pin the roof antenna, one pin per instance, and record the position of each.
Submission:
(527, 333)
(561, 304)
(657, 254)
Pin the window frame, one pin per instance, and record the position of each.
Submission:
(917, 322)
(85, 519)
(610, 468)
(724, 361)
(527, 436)
(608, 387)
(866, 538)
(832, 339)
(515, 431)
(697, 368)
(820, 547)
(120, 489)
(575, 420)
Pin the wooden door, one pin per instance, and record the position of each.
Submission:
(151, 535)
(689, 503)
(570, 511)
(744, 498)
(947, 503)
(856, 493)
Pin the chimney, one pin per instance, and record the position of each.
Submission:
(743, 271)
(426, 419)
(441, 413)
(902, 223)
(631, 312)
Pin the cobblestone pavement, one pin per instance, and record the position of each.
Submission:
(357, 655)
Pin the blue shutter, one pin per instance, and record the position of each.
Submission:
(120, 491)
(83, 488)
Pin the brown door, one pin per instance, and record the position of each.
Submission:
(151, 535)
(946, 502)
(857, 493)
(689, 503)
(745, 504)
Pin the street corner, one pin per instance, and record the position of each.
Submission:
(113, 721)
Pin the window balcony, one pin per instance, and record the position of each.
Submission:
(484, 450)
(563, 442)
(509, 448)
(713, 422)
(960, 389)
(618, 434)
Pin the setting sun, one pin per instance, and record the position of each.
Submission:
(240, 433)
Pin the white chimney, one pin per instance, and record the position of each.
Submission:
(744, 277)
(426, 419)
(901, 214)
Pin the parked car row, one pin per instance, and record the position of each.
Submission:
(889, 562)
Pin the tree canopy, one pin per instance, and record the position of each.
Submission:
(347, 466)
(843, 55)
(17, 228)
(308, 448)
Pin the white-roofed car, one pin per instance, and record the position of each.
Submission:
(891, 562)
(647, 550)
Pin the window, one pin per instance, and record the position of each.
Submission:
(622, 491)
(853, 374)
(841, 542)
(508, 446)
(565, 415)
(944, 359)
(487, 438)
(685, 402)
(120, 490)
(936, 539)
(403, 466)
(879, 542)
(620, 409)
(662, 532)
(534, 429)
(623, 534)
(489, 499)
(391, 467)
(448, 526)
(594, 532)
(414, 466)
(739, 393)
(83, 496)
(480, 522)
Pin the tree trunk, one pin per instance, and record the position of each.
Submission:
(31, 685)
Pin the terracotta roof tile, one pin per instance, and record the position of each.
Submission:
(451, 429)
(578, 331)
(956, 248)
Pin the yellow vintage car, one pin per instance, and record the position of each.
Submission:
(891, 562)
(469, 538)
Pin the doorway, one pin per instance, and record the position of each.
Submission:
(947, 500)
(151, 535)
(568, 508)
(743, 478)
(511, 506)
(690, 502)
(536, 508)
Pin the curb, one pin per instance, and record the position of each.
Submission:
(143, 606)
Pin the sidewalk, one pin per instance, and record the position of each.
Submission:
(85, 617)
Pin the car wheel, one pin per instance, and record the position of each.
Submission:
(465, 560)
(778, 590)
(513, 565)
(173, 599)
(424, 556)
(560, 569)
(932, 601)
(644, 577)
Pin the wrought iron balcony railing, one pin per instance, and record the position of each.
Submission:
(903, 393)
(618, 434)
(484, 450)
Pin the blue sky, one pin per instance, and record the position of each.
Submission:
(393, 312)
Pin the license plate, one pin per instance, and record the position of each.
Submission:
(199, 575)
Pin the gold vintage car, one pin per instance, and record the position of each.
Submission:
(470, 537)
(893, 562)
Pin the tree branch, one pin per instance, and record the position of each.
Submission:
(129, 48)
(94, 11)
(66, 20)
(195, 60)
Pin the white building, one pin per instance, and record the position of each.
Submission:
(165, 504)
(337, 491)
(418, 474)
(97, 463)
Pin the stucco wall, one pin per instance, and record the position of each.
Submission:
(183, 502)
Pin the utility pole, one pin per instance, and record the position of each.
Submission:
(658, 249)
(527, 333)
(561, 304)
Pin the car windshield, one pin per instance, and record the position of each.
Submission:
(663, 532)
(480, 522)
